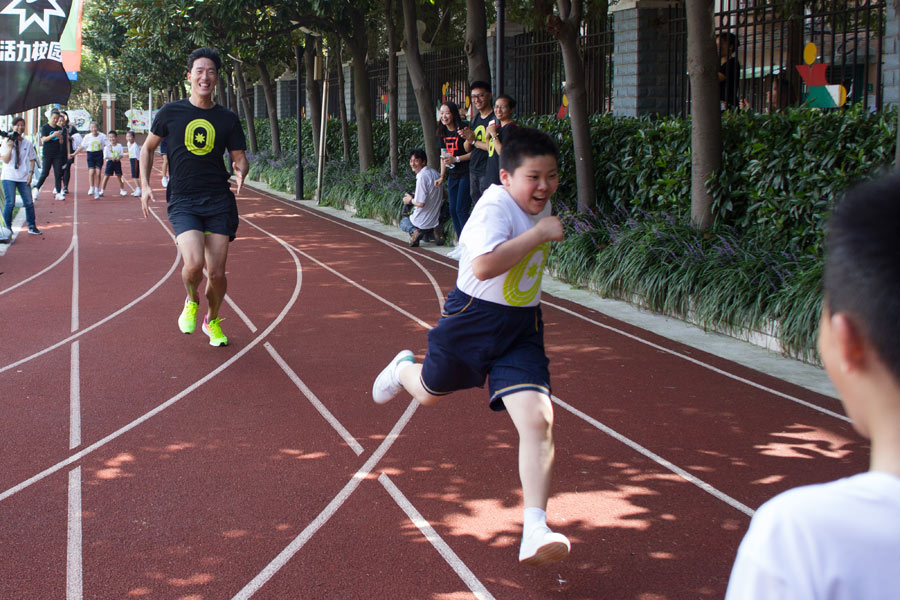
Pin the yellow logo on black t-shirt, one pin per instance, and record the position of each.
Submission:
(199, 137)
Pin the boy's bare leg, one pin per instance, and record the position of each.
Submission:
(410, 378)
(532, 414)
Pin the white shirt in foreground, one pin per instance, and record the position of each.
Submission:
(832, 541)
(27, 154)
(113, 152)
(496, 219)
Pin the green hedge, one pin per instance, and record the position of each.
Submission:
(760, 263)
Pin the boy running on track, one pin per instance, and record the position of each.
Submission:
(842, 539)
(201, 207)
(491, 325)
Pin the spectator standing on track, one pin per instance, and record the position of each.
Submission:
(476, 137)
(134, 157)
(454, 167)
(491, 325)
(54, 156)
(93, 143)
(841, 540)
(19, 158)
(113, 154)
(70, 135)
(201, 206)
(427, 201)
(498, 130)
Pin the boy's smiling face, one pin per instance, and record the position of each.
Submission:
(533, 182)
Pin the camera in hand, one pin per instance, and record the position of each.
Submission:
(12, 135)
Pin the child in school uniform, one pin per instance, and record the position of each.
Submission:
(113, 154)
(134, 157)
(841, 540)
(491, 326)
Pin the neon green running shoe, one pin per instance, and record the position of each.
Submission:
(187, 321)
(214, 331)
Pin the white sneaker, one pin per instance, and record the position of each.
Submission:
(543, 546)
(102, 192)
(34, 193)
(136, 192)
(60, 196)
(96, 195)
(123, 193)
(165, 182)
(387, 385)
(91, 191)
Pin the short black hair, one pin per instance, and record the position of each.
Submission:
(418, 153)
(481, 85)
(205, 52)
(523, 143)
(112, 132)
(17, 119)
(729, 37)
(509, 100)
(862, 272)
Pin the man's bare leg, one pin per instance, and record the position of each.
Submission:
(216, 252)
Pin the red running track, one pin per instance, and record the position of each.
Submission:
(137, 462)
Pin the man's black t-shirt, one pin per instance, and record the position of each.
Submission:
(196, 140)
(51, 148)
(492, 170)
(478, 160)
(455, 145)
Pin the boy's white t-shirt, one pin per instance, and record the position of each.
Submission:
(834, 541)
(113, 152)
(496, 219)
(28, 153)
(134, 151)
(94, 143)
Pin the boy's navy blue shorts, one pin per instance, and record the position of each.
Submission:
(476, 339)
(95, 159)
(209, 215)
(113, 167)
(135, 168)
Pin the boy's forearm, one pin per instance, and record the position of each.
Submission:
(507, 255)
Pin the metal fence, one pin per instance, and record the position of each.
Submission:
(772, 34)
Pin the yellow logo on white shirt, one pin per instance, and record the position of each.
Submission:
(523, 282)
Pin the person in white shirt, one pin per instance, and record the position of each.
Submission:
(134, 157)
(93, 144)
(841, 540)
(427, 201)
(19, 157)
(113, 154)
(491, 325)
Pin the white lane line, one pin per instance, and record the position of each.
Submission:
(44, 270)
(98, 323)
(697, 362)
(74, 577)
(75, 398)
(657, 458)
(700, 363)
(298, 542)
(304, 389)
(243, 317)
(155, 411)
(75, 265)
(435, 540)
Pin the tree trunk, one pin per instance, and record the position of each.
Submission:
(245, 104)
(342, 105)
(897, 16)
(393, 96)
(566, 28)
(358, 47)
(476, 41)
(313, 91)
(221, 97)
(706, 116)
(420, 85)
(271, 106)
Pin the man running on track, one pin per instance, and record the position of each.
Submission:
(201, 207)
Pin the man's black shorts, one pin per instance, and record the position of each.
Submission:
(475, 339)
(113, 167)
(210, 215)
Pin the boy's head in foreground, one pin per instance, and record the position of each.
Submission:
(859, 333)
(112, 136)
(529, 164)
